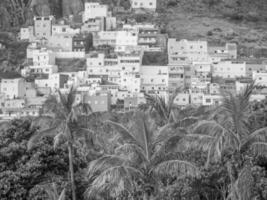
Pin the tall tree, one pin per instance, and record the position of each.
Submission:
(230, 134)
(143, 155)
(66, 112)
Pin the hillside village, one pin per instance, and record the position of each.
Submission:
(115, 76)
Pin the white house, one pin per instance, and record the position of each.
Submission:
(180, 50)
(212, 100)
(62, 29)
(26, 33)
(94, 10)
(43, 26)
(229, 69)
(43, 57)
(105, 38)
(155, 80)
(54, 81)
(182, 99)
(13, 88)
(126, 39)
(260, 78)
(37, 69)
(145, 4)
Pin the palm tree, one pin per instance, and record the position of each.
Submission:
(51, 190)
(66, 113)
(229, 132)
(143, 155)
(158, 104)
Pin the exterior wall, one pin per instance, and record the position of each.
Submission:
(99, 102)
(35, 70)
(105, 38)
(250, 68)
(191, 50)
(14, 103)
(146, 4)
(78, 43)
(111, 23)
(58, 29)
(154, 79)
(176, 77)
(229, 51)
(69, 54)
(26, 33)
(126, 38)
(94, 25)
(43, 57)
(214, 88)
(232, 50)
(93, 10)
(196, 98)
(229, 69)
(260, 78)
(63, 42)
(13, 88)
(43, 26)
(182, 99)
(54, 82)
(212, 100)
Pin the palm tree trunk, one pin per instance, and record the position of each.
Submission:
(73, 188)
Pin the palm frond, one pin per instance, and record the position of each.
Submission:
(114, 181)
(244, 184)
(256, 141)
(176, 168)
(96, 167)
(62, 195)
(127, 149)
(215, 129)
(51, 132)
(125, 134)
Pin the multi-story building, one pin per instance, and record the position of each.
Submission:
(182, 99)
(27, 33)
(212, 100)
(144, 4)
(250, 68)
(43, 27)
(201, 76)
(13, 88)
(39, 70)
(94, 25)
(105, 38)
(100, 102)
(54, 81)
(155, 80)
(125, 39)
(42, 57)
(229, 69)
(260, 78)
(176, 77)
(218, 53)
(78, 43)
(62, 29)
(94, 10)
(61, 42)
(196, 98)
(181, 50)
(129, 64)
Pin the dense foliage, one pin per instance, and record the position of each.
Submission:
(159, 153)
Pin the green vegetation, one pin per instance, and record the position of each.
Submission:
(160, 153)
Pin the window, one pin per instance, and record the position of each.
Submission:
(208, 100)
